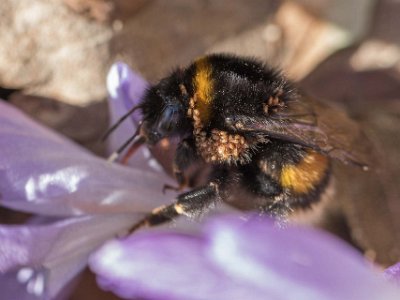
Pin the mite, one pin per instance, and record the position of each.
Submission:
(254, 130)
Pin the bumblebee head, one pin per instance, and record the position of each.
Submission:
(164, 110)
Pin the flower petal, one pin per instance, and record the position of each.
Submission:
(11, 288)
(126, 88)
(296, 262)
(237, 260)
(393, 273)
(43, 173)
(45, 258)
(164, 266)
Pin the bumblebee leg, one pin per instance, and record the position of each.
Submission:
(185, 155)
(180, 178)
(190, 204)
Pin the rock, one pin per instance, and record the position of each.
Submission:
(166, 34)
(106, 10)
(301, 35)
(48, 50)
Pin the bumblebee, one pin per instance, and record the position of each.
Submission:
(255, 131)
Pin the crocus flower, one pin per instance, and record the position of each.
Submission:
(79, 200)
(237, 259)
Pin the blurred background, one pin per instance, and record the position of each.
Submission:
(54, 57)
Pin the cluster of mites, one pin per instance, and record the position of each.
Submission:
(218, 146)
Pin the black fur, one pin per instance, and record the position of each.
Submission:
(241, 86)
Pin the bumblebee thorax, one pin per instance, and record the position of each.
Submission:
(204, 88)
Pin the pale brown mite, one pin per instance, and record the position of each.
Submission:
(220, 145)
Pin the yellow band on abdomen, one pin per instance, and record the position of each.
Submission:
(306, 175)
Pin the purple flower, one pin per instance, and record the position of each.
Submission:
(236, 259)
(79, 200)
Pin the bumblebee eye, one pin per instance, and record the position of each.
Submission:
(168, 120)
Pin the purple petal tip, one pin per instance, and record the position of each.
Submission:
(123, 82)
(393, 273)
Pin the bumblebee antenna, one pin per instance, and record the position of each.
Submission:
(114, 156)
(115, 126)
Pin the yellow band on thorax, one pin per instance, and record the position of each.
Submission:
(204, 88)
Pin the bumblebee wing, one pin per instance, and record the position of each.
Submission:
(312, 124)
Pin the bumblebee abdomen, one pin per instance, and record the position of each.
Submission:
(298, 175)
(305, 176)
